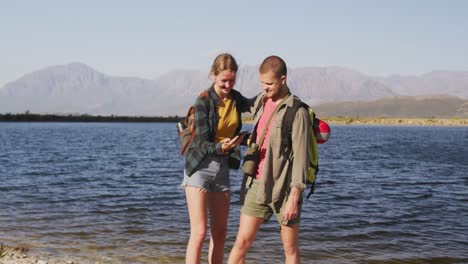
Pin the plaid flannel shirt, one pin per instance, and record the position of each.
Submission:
(206, 123)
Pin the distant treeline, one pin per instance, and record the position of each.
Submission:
(29, 117)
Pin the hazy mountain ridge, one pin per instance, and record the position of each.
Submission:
(78, 88)
(315, 85)
(437, 106)
(436, 82)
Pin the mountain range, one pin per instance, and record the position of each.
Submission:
(78, 88)
(438, 106)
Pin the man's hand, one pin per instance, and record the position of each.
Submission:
(291, 210)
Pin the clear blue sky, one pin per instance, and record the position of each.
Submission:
(148, 38)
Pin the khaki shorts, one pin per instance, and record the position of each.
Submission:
(265, 211)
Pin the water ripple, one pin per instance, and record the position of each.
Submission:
(109, 192)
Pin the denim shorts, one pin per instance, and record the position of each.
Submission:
(212, 175)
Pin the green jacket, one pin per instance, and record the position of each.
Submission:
(280, 173)
(206, 123)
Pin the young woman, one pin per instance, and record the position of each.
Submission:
(212, 153)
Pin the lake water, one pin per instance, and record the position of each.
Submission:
(109, 192)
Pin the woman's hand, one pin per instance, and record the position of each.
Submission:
(227, 144)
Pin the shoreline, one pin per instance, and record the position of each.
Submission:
(26, 254)
(28, 117)
(332, 120)
(389, 121)
(395, 121)
(21, 254)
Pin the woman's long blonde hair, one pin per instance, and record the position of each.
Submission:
(223, 62)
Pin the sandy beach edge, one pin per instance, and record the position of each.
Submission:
(388, 121)
(394, 121)
(23, 254)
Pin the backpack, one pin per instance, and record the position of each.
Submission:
(186, 127)
(320, 133)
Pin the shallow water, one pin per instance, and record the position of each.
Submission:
(109, 192)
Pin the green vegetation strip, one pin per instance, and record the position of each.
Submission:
(28, 117)
(343, 120)
(397, 121)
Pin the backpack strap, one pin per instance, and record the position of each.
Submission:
(286, 134)
(205, 94)
(312, 190)
(190, 117)
(259, 106)
(190, 123)
(286, 128)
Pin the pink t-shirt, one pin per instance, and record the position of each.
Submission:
(268, 109)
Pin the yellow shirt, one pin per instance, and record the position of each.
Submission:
(228, 119)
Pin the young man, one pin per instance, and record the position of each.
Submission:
(281, 175)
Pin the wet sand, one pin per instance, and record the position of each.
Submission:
(26, 254)
(23, 254)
